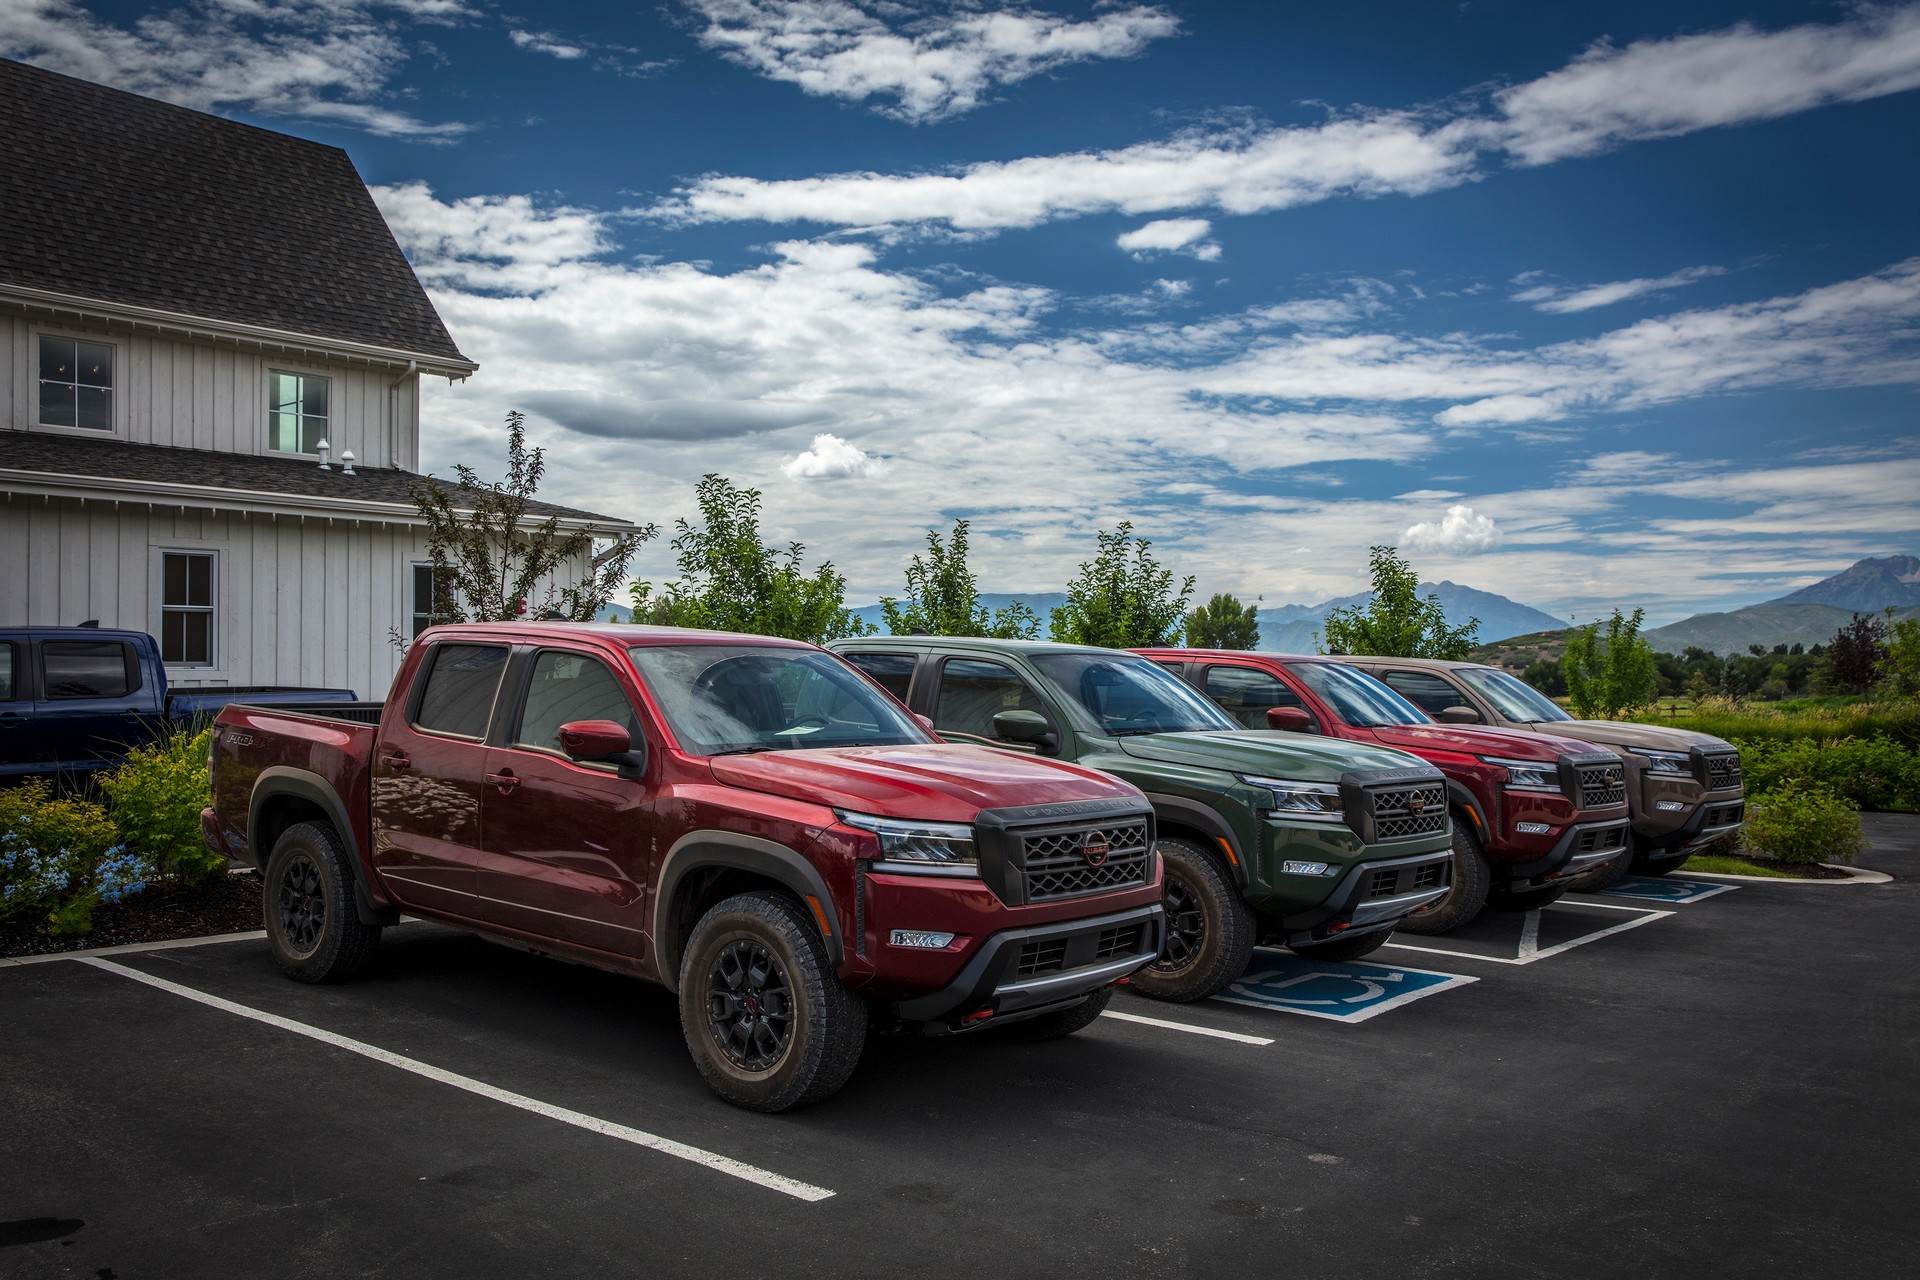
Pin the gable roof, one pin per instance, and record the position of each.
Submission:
(118, 198)
(229, 479)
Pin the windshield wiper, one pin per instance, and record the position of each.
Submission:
(750, 749)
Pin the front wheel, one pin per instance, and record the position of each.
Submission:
(1061, 1022)
(1465, 896)
(1210, 928)
(312, 926)
(764, 1015)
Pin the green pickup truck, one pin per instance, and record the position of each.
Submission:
(1265, 837)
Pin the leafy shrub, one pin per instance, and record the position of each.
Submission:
(1803, 823)
(1791, 721)
(1871, 773)
(59, 859)
(156, 797)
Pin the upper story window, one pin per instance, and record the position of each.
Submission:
(76, 384)
(186, 608)
(296, 412)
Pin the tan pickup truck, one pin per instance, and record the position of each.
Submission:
(1683, 788)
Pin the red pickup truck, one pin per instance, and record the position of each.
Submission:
(749, 822)
(1530, 811)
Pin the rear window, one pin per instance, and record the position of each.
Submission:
(460, 685)
(85, 669)
(6, 673)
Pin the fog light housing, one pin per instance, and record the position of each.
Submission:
(1532, 828)
(1670, 806)
(1304, 868)
(923, 939)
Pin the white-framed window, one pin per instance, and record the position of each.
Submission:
(428, 608)
(297, 411)
(76, 383)
(188, 581)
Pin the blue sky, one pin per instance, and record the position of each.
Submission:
(1584, 305)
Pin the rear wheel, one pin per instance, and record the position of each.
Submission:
(764, 1015)
(1210, 928)
(1465, 896)
(1061, 1022)
(311, 922)
(1346, 948)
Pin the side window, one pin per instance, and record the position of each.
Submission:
(296, 412)
(1428, 692)
(431, 593)
(973, 691)
(461, 681)
(891, 671)
(1247, 694)
(566, 687)
(85, 669)
(8, 684)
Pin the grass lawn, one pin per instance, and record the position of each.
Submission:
(1715, 864)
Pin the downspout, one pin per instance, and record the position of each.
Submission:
(393, 413)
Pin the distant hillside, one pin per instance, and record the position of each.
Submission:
(1517, 653)
(1868, 586)
(1041, 602)
(1294, 628)
(613, 613)
(1761, 624)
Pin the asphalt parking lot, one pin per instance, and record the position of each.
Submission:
(1646, 1086)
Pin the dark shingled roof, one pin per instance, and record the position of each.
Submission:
(111, 196)
(69, 455)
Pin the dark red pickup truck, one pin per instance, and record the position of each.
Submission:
(1530, 811)
(747, 821)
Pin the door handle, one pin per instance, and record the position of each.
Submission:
(505, 780)
(9, 719)
(398, 761)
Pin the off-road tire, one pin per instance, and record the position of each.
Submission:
(1061, 1022)
(1468, 892)
(826, 1026)
(1603, 877)
(1353, 948)
(308, 906)
(1526, 899)
(1210, 928)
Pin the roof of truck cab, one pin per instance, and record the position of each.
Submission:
(971, 642)
(619, 633)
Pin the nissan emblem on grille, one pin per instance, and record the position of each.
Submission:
(1094, 848)
(1416, 804)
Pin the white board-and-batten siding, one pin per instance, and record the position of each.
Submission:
(213, 395)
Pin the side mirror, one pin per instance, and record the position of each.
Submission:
(1292, 719)
(1458, 715)
(1024, 726)
(926, 722)
(601, 742)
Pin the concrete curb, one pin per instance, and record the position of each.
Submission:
(132, 948)
(1855, 875)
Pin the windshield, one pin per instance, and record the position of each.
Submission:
(725, 698)
(1128, 695)
(1514, 699)
(1357, 697)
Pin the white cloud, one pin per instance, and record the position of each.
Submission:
(1462, 531)
(1171, 235)
(324, 60)
(1604, 98)
(1500, 410)
(831, 458)
(547, 43)
(940, 62)
(1555, 301)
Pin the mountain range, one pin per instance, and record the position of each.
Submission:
(1808, 616)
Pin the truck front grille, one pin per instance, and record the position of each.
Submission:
(1391, 882)
(1122, 940)
(1602, 785)
(1723, 772)
(1069, 863)
(1724, 815)
(1041, 957)
(1402, 813)
(1596, 841)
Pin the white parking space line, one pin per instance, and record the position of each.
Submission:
(1530, 932)
(640, 1138)
(1234, 1036)
(133, 948)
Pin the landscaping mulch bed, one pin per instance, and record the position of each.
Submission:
(229, 904)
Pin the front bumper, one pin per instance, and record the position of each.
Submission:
(1581, 847)
(1373, 896)
(1025, 972)
(1718, 815)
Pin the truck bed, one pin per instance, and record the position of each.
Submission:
(330, 744)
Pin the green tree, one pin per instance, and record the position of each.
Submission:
(490, 555)
(1606, 676)
(1122, 598)
(732, 581)
(1224, 623)
(943, 597)
(1396, 622)
(1545, 675)
(1855, 653)
(1900, 667)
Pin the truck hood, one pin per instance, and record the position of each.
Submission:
(1480, 740)
(1266, 753)
(933, 782)
(1624, 735)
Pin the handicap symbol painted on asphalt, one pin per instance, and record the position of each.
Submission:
(1343, 991)
(1666, 889)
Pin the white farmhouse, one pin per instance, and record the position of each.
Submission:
(210, 360)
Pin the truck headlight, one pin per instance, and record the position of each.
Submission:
(930, 848)
(1313, 801)
(1671, 763)
(1528, 775)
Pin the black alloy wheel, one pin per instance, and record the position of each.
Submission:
(1186, 926)
(302, 903)
(750, 1005)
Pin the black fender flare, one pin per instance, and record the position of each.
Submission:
(705, 850)
(1201, 817)
(1460, 798)
(277, 781)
